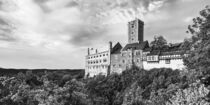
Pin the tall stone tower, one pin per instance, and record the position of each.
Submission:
(135, 31)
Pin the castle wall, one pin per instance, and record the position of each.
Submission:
(125, 60)
(97, 63)
(116, 63)
(138, 58)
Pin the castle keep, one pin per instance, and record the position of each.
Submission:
(137, 52)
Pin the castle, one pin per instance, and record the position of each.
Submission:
(137, 52)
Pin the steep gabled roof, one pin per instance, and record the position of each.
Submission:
(136, 46)
(154, 52)
(116, 49)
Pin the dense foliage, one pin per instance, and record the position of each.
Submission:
(159, 42)
(132, 87)
(199, 44)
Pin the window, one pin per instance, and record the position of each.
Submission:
(149, 58)
(137, 52)
(103, 54)
(132, 25)
(104, 60)
(119, 65)
(167, 61)
(123, 61)
(152, 58)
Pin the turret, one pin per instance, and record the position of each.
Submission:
(88, 51)
(110, 46)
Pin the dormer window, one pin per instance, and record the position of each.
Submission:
(132, 25)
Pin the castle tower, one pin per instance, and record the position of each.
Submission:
(135, 31)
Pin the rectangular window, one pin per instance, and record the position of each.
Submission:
(137, 52)
(167, 61)
(104, 60)
(119, 65)
(123, 61)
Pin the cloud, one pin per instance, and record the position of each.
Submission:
(126, 10)
(188, 19)
(43, 22)
(72, 4)
(66, 27)
(6, 30)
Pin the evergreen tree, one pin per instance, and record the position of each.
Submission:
(199, 55)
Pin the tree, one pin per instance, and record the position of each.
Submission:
(158, 42)
(199, 55)
(194, 95)
(103, 90)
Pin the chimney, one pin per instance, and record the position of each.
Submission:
(96, 51)
(110, 46)
(88, 51)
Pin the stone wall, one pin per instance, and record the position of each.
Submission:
(125, 60)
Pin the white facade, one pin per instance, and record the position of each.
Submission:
(97, 63)
(173, 64)
(173, 61)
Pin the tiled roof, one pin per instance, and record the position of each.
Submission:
(154, 52)
(116, 49)
(136, 46)
(170, 50)
(147, 49)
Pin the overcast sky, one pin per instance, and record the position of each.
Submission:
(56, 33)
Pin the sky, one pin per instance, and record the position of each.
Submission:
(55, 34)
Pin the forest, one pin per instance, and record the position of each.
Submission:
(134, 86)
